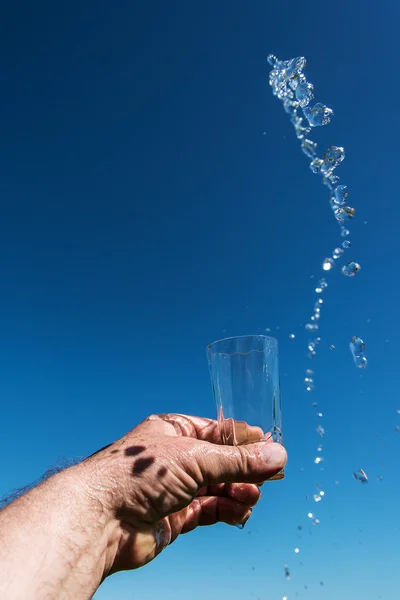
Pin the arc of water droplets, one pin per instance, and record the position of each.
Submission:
(290, 85)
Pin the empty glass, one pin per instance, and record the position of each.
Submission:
(244, 375)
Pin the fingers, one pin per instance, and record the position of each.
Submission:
(188, 426)
(213, 509)
(229, 464)
(247, 493)
(229, 431)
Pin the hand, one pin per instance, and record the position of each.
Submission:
(168, 476)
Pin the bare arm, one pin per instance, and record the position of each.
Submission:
(122, 506)
(53, 540)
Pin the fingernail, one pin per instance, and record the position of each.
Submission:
(274, 454)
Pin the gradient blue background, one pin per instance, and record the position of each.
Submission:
(144, 213)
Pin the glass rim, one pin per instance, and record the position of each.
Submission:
(236, 337)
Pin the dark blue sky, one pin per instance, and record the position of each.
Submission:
(154, 198)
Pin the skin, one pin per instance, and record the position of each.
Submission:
(123, 505)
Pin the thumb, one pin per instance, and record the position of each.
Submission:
(242, 464)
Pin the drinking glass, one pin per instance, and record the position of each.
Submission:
(244, 373)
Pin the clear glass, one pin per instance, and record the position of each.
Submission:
(245, 381)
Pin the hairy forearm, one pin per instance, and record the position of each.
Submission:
(54, 541)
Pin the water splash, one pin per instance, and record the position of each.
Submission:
(291, 86)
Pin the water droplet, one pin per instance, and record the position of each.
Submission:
(357, 346)
(340, 194)
(397, 429)
(309, 383)
(289, 107)
(309, 148)
(322, 493)
(337, 253)
(336, 482)
(310, 372)
(285, 598)
(310, 515)
(328, 264)
(318, 459)
(398, 411)
(318, 115)
(314, 404)
(291, 336)
(334, 179)
(344, 213)
(322, 285)
(304, 93)
(301, 132)
(332, 347)
(319, 448)
(297, 550)
(346, 244)
(296, 80)
(316, 165)
(350, 269)
(268, 329)
(287, 572)
(311, 327)
(320, 430)
(332, 158)
(295, 66)
(320, 415)
(344, 232)
(271, 58)
(317, 498)
(360, 476)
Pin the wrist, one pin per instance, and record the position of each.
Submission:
(94, 494)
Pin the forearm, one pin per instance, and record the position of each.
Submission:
(54, 541)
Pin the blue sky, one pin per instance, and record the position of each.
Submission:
(154, 199)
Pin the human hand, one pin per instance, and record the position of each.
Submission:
(169, 475)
